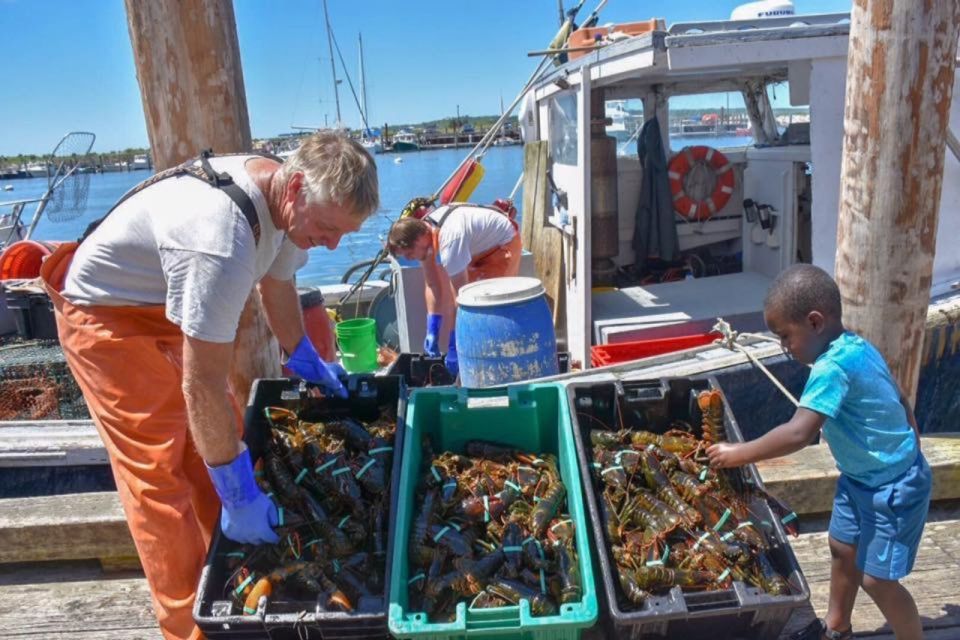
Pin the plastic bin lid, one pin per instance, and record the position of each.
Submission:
(499, 291)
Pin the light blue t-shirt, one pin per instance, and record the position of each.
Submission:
(866, 426)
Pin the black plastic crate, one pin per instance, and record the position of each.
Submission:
(419, 370)
(33, 315)
(741, 611)
(216, 616)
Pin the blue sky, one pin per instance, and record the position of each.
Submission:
(69, 65)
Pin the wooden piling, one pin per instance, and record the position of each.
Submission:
(900, 74)
(191, 82)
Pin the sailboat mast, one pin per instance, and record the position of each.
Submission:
(363, 86)
(333, 66)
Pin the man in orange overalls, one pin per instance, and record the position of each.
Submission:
(456, 244)
(147, 309)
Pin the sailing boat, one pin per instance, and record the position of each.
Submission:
(503, 140)
(369, 141)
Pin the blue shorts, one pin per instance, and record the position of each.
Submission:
(886, 522)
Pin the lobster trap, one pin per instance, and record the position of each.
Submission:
(36, 383)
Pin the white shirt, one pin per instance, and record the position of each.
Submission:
(186, 245)
(469, 231)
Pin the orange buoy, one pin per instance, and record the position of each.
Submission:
(724, 182)
(22, 259)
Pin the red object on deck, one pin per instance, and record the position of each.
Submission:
(22, 259)
(606, 354)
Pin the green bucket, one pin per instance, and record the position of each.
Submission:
(357, 341)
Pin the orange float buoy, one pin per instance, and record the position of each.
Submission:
(680, 166)
(22, 259)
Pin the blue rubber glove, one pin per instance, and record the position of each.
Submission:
(248, 516)
(430, 343)
(306, 363)
(453, 366)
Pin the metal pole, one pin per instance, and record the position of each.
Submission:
(899, 87)
(333, 65)
(363, 88)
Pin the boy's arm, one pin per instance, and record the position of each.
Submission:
(783, 440)
(437, 286)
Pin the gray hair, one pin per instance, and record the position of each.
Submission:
(803, 288)
(336, 169)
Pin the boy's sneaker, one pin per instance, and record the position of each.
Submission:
(817, 630)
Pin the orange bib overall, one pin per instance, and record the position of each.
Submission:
(128, 363)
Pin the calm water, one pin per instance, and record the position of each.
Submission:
(420, 174)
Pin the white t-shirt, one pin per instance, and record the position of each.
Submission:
(468, 232)
(186, 245)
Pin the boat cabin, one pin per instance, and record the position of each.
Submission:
(761, 101)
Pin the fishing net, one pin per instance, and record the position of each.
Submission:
(70, 165)
(36, 383)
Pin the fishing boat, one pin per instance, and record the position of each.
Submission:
(405, 140)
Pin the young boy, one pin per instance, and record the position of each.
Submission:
(883, 492)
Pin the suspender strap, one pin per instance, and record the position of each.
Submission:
(443, 218)
(206, 173)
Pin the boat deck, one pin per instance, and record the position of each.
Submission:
(79, 600)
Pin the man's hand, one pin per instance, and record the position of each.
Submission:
(306, 363)
(248, 515)
(725, 455)
(431, 346)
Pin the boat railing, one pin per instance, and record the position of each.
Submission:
(795, 21)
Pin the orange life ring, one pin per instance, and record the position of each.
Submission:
(681, 164)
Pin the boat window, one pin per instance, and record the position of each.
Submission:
(778, 93)
(626, 120)
(562, 118)
(715, 119)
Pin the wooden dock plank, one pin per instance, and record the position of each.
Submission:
(74, 600)
(64, 527)
(806, 480)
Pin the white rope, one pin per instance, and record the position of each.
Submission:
(729, 340)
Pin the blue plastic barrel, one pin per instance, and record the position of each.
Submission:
(504, 332)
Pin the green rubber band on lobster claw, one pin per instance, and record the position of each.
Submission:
(326, 464)
(374, 452)
(723, 520)
(651, 447)
(512, 549)
(727, 536)
(486, 508)
(243, 585)
(653, 563)
(293, 548)
(300, 476)
(512, 485)
(235, 554)
(343, 521)
(450, 483)
(723, 576)
(436, 474)
(336, 565)
(364, 468)
(700, 540)
(526, 468)
(745, 523)
(543, 582)
(788, 518)
(536, 460)
(454, 525)
(474, 601)
(340, 470)
(703, 475)
(279, 516)
(311, 543)
(596, 465)
(248, 611)
(419, 576)
(609, 469)
(666, 553)
(553, 528)
(440, 533)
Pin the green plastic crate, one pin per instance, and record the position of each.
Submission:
(529, 417)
